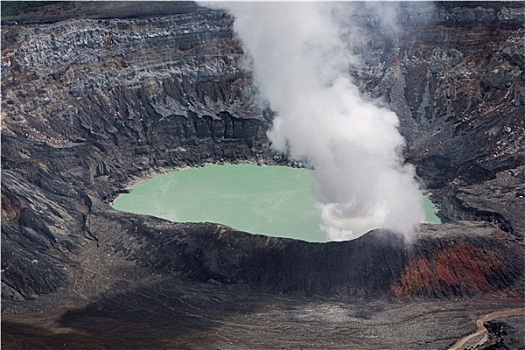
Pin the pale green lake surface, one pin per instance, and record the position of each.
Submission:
(270, 200)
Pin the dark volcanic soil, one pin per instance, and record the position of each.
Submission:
(98, 95)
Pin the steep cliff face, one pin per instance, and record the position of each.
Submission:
(94, 100)
(455, 76)
(89, 103)
(122, 82)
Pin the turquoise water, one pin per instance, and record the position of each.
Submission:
(431, 211)
(270, 200)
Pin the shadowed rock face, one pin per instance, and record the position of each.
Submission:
(94, 101)
(464, 259)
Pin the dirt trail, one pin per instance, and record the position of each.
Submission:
(482, 331)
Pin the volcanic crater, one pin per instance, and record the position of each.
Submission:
(96, 96)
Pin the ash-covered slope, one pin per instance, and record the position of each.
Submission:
(97, 95)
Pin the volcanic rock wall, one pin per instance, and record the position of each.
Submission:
(455, 76)
(96, 95)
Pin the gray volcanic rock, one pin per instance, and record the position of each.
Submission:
(379, 263)
(458, 96)
(98, 95)
(506, 333)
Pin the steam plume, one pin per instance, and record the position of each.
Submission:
(301, 67)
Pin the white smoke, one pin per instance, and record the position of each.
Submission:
(301, 68)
